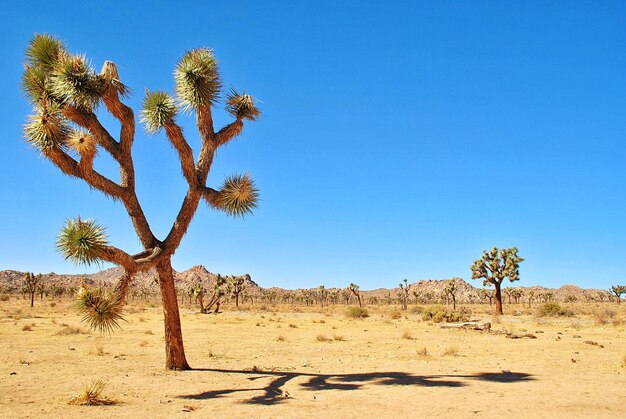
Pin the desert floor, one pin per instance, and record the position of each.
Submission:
(276, 363)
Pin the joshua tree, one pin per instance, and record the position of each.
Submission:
(416, 293)
(237, 285)
(354, 289)
(517, 294)
(322, 294)
(32, 281)
(618, 290)
(346, 294)
(404, 290)
(494, 266)
(66, 92)
(531, 296)
(450, 291)
(198, 291)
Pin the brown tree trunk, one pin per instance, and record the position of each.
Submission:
(32, 299)
(174, 350)
(358, 296)
(453, 302)
(498, 298)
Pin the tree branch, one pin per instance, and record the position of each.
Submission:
(204, 121)
(212, 197)
(185, 154)
(71, 167)
(229, 132)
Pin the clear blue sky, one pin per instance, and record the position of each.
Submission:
(397, 140)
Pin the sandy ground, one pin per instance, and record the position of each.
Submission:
(271, 364)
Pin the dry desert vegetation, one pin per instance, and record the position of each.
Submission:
(295, 361)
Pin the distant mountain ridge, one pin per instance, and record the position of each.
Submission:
(426, 290)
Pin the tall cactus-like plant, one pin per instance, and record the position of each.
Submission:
(494, 266)
(450, 290)
(65, 128)
(404, 293)
(354, 289)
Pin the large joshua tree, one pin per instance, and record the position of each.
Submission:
(494, 266)
(66, 93)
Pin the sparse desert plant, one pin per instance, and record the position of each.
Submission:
(494, 266)
(338, 338)
(91, 395)
(323, 338)
(553, 309)
(357, 313)
(293, 326)
(603, 315)
(395, 315)
(280, 338)
(451, 351)
(65, 128)
(28, 327)
(423, 353)
(5, 297)
(70, 330)
(407, 335)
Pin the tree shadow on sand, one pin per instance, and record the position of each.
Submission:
(274, 394)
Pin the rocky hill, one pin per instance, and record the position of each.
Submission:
(422, 291)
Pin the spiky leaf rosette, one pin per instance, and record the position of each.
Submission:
(47, 130)
(159, 109)
(74, 82)
(82, 142)
(44, 51)
(238, 195)
(101, 310)
(241, 105)
(35, 85)
(82, 241)
(197, 79)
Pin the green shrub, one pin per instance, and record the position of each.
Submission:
(357, 313)
(440, 314)
(552, 309)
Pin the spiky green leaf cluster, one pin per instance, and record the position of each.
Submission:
(74, 82)
(44, 51)
(241, 106)
(82, 241)
(101, 310)
(238, 195)
(197, 79)
(109, 75)
(47, 129)
(496, 265)
(158, 109)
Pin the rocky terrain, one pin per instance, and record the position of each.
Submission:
(422, 291)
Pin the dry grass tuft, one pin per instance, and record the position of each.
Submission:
(280, 338)
(293, 326)
(423, 353)
(70, 330)
(28, 327)
(407, 335)
(323, 338)
(92, 396)
(451, 351)
(338, 338)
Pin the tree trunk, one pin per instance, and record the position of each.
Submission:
(237, 301)
(498, 298)
(174, 350)
(358, 296)
(32, 299)
(453, 302)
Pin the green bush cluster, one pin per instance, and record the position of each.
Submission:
(440, 314)
(357, 313)
(553, 309)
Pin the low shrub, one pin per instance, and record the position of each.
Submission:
(440, 314)
(357, 313)
(553, 309)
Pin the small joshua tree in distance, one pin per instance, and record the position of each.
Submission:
(494, 266)
(451, 290)
(354, 289)
(618, 290)
(66, 92)
(404, 293)
(32, 282)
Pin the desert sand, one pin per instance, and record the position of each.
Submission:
(285, 361)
